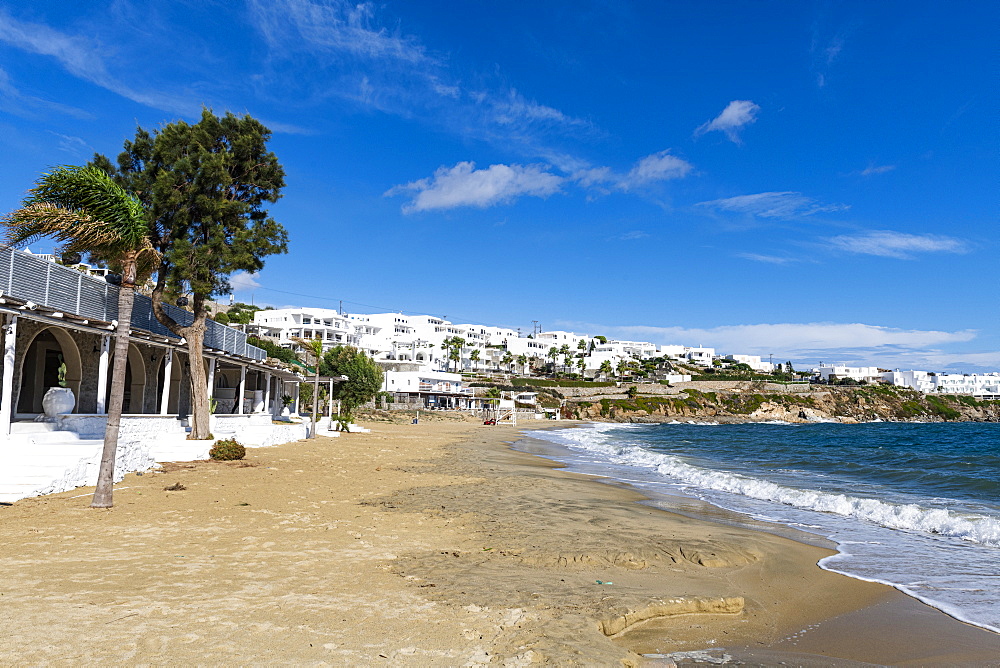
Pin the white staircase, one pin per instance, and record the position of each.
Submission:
(39, 458)
(171, 444)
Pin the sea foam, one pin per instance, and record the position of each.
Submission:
(596, 440)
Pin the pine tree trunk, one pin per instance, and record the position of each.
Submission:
(106, 473)
(195, 336)
(200, 408)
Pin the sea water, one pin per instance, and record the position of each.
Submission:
(915, 506)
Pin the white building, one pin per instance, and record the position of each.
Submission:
(58, 334)
(429, 389)
(696, 355)
(752, 361)
(282, 326)
(985, 386)
(834, 372)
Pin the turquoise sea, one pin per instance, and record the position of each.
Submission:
(915, 506)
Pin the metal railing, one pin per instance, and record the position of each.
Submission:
(53, 286)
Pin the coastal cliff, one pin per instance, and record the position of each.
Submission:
(756, 402)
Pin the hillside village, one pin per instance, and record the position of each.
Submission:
(428, 350)
(58, 329)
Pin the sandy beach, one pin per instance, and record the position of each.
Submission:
(429, 544)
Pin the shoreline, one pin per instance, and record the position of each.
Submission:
(437, 544)
(834, 627)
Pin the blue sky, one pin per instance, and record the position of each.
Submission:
(812, 180)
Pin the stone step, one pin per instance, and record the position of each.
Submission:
(29, 448)
(45, 439)
(32, 427)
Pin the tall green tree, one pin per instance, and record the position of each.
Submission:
(242, 313)
(364, 375)
(206, 187)
(86, 211)
(474, 356)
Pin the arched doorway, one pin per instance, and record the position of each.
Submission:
(50, 348)
(135, 381)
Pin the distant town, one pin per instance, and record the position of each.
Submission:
(432, 350)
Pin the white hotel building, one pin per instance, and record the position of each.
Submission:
(282, 326)
(409, 342)
(983, 386)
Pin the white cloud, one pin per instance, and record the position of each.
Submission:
(824, 52)
(661, 166)
(73, 145)
(855, 343)
(770, 259)
(633, 235)
(899, 245)
(334, 26)
(658, 167)
(464, 185)
(514, 108)
(83, 58)
(803, 336)
(833, 50)
(16, 102)
(772, 205)
(353, 55)
(735, 116)
(242, 281)
(877, 169)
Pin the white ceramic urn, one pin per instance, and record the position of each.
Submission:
(58, 401)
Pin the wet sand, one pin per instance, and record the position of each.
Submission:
(429, 544)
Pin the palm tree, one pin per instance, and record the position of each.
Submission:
(622, 368)
(85, 211)
(457, 346)
(446, 346)
(582, 364)
(605, 368)
(474, 356)
(553, 354)
(523, 361)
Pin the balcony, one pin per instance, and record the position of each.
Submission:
(59, 288)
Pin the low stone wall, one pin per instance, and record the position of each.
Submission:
(257, 429)
(742, 386)
(73, 460)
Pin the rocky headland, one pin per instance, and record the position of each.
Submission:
(754, 401)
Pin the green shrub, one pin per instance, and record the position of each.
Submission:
(940, 408)
(226, 450)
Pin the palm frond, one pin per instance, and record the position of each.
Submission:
(44, 219)
(94, 195)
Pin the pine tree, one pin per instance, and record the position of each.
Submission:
(206, 187)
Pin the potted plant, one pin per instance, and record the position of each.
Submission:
(58, 400)
(286, 401)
